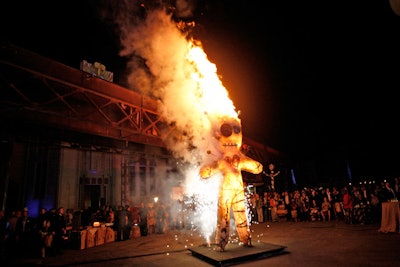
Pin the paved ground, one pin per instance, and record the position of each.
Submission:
(306, 243)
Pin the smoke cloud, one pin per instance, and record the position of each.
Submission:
(166, 63)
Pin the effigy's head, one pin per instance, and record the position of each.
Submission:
(229, 134)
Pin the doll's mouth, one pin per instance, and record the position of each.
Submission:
(230, 144)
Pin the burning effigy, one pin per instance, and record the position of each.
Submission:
(166, 62)
(231, 194)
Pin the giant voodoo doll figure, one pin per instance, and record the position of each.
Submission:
(231, 196)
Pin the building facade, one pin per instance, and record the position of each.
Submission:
(71, 139)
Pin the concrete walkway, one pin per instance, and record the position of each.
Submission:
(307, 244)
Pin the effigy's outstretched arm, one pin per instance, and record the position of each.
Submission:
(250, 165)
(209, 170)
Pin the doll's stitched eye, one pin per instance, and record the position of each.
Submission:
(226, 130)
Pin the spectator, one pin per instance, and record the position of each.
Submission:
(167, 219)
(160, 212)
(304, 214)
(151, 220)
(359, 209)
(326, 209)
(143, 219)
(3, 235)
(259, 209)
(46, 232)
(337, 207)
(69, 216)
(273, 203)
(12, 236)
(266, 211)
(286, 197)
(59, 228)
(135, 213)
(375, 205)
(129, 223)
(293, 210)
(315, 211)
(347, 200)
(25, 232)
(110, 215)
(387, 193)
(121, 221)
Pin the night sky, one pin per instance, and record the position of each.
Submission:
(316, 80)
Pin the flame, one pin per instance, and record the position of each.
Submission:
(213, 95)
(175, 69)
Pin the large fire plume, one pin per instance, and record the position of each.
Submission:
(170, 65)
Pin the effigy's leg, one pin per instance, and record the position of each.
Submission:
(239, 214)
(222, 231)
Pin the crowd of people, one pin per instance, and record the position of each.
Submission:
(23, 235)
(50, 232)
(353, 204)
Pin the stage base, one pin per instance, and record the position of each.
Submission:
(236, 254)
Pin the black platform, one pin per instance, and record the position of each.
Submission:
(236, 254)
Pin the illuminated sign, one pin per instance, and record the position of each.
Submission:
(97, 69)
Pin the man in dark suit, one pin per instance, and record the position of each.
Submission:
(59, 230)
(25, 231)
(387, 193)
